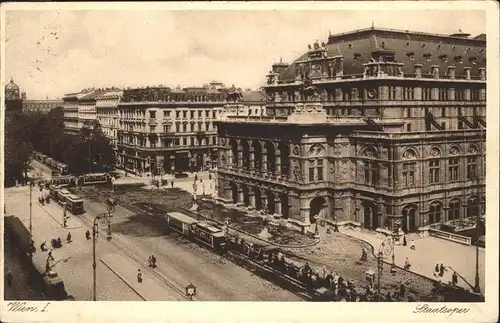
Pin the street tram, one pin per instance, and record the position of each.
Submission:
(61, 180)
(179, 222)
(61, 195)
(74, 204)
(92, 179)
(209, 235)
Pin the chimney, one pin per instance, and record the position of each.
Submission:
(467, 72)
(451, 72)
(418, 70)
(482, 73)
(435, 71)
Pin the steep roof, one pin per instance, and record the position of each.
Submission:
(409, 47)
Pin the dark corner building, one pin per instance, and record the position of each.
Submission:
(376, 127)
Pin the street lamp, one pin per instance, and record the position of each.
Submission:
(386, 247)
(477, 287)
(102, 219)
(190, 291)
(31, 220)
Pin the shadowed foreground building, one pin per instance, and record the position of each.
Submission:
(374, 126)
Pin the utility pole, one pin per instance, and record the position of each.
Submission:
(477, 287)
(31, 220)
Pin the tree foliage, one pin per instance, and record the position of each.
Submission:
(87, 151)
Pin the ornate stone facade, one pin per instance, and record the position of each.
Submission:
(357, 130)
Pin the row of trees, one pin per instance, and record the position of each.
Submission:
(87, 151)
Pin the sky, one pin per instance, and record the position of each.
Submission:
(50, 53)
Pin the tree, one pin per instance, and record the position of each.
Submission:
(18, 148)
(100, 154)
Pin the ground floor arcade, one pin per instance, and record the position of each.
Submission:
(169, 162)
(370, 212)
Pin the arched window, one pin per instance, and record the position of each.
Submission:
(472, 207)
(435, 210)
(454, 210)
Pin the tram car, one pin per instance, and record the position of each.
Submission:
(92, 179)
(62, 168)
(61, 195)
(202, 232)
(62, 180)
(74, 204)
(53, 189)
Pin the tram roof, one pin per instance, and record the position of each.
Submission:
(182, 217)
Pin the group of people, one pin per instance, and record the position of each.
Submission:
(152, 261)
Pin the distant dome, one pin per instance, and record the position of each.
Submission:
(12, 86)
(12, 91)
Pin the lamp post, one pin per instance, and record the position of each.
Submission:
(477, 287)
(31, 220)
(386, 247)
(190, 291)
(103, 219)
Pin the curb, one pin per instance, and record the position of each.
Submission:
(122, 279)
(67, 227)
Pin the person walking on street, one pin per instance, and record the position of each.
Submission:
(139, 276)
(68, 238)
(42, 246)
(454, 278)
(404, 241)
(172, 183)
(436, 270)
(150, 262)
(87, 235)
(407, 264)
(153, 261)
(49, 256)
(441, 270)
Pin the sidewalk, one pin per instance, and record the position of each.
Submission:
(428, 252)
(73, 261)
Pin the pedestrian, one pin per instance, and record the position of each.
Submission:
(454, 278)
(68, 238)
(336, 227)
(195, 177)
(42, 246)
(153, 261)
(139, 276)
(407, 264)
(87, 235)
(150, 263)
(412, 245)
(49, 256)
(441, 270)
(404, 241)
(65, 222)
(172, 183)
(436, 270)
(32, 246)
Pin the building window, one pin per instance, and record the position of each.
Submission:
(454, 210)
(472, 207)
(152, 129)
(192, 114)
(409, 174)
(177, 114)
(471, 167)
(435, 213)
(311, 170)
(453, 169)
(214, 114)
(443, 112)
(408, 127)
(184, 141)
(320, 169)
(152, 114)
(207, 126)
(392, 93)
(474, 93)
(184, 127)
(192, 141)
(184, 114)
(177, 141)
(459, 94)
(426, 93)
(408, 93)
(346, 94)
(443, 94)
(434, 166)
(371, 172)
(207, 113)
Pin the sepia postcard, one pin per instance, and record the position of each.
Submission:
(249, 162)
